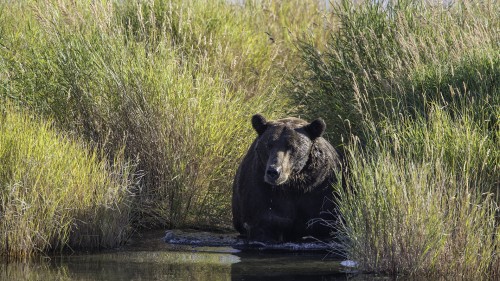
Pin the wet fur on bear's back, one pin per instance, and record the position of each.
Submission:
(285, 181)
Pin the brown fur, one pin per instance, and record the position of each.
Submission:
(285, 181)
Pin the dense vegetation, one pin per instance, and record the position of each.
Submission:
(415, 91)
(139, 111)
(56, 191)
(171, 85)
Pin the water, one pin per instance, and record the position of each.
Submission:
(149, 258)
(178, 265)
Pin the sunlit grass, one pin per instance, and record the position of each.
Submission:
(56, 192)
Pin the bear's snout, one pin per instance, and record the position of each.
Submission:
(273, 173)
(276, 175)
(277, 168)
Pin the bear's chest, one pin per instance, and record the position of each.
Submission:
(280, 202)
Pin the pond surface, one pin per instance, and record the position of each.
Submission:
(150, 258)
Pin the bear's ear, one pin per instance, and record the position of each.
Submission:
(259, 123)
(315, 129)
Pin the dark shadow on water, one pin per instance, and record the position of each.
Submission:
(286, 266)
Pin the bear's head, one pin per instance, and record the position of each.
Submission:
(284, 146)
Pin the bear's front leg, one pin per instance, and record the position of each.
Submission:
(271, 228)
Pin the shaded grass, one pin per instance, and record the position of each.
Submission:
(55, 192)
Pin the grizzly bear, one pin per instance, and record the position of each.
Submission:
(284, 182)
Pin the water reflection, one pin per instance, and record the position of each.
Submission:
(149, 258)
(125, 266)
(177, 265)
(148, 266)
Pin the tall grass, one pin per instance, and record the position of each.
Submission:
(174, 82)
(393, 58)
(170, 85)
(413, 88)
(420, 201)
(55, 192)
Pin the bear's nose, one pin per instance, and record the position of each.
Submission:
(273, 173)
